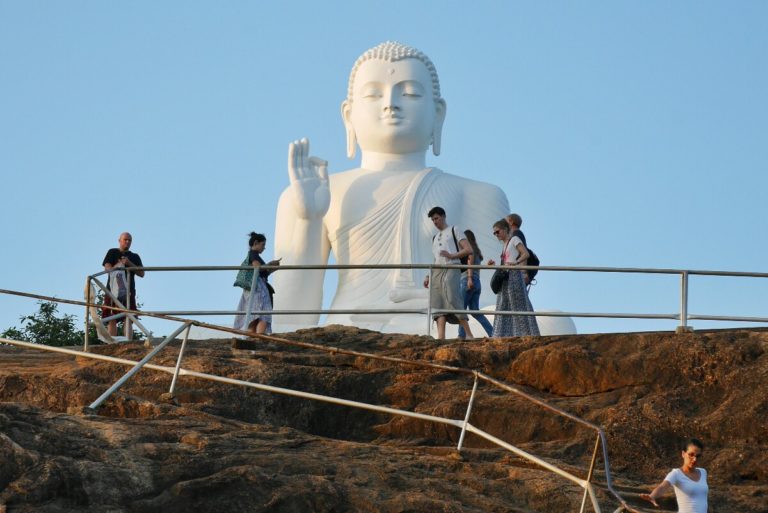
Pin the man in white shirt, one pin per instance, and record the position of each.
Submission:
(449, 246)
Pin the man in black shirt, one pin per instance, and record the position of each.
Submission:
(122, 257)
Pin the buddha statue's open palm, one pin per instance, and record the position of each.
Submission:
(309, 181)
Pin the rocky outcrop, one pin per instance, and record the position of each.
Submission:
(218, 447)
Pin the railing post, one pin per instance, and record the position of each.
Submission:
(178, 361)
(127, 326)
(466, 417)
(136, 368)
(683, 328)
(429, 303)
(589, 474)
(87, 312)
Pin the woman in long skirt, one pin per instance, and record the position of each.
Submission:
(513, 295)
(259, 297)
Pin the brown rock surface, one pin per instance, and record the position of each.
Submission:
(218, 447)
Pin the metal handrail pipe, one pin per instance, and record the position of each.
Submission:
(561, 314)
(113, 317)
(259, 386)
(413, 311)
(742, 274)
(265, 338)
(336, 350)
(113, 270)
(536, 400)
(530, 457)
(726, 318)
(422, 311)
(78, 353)
(557, 268)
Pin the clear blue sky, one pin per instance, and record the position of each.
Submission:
(625, 133)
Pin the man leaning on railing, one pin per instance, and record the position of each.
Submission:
(121, 257)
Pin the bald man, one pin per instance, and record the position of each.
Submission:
(121, 257)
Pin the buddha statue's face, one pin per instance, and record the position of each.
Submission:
(393, 109)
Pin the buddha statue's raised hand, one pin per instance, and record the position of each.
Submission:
(309, 181)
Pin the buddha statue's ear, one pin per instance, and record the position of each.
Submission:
(346, 115)
(437, 131)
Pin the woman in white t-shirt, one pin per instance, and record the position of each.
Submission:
(688, 481)
(513, 295)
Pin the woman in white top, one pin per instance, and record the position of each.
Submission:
(513, 295)
(688, 481)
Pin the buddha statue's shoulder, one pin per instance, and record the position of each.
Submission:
(469, 182)
(469, 187)
(346, 178)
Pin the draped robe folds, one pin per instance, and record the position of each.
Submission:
(393, 228)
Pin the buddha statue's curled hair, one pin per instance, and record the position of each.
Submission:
(392, 51)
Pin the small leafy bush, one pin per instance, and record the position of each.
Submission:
(45, 327)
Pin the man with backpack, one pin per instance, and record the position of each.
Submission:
(449, 246)
(515, 222)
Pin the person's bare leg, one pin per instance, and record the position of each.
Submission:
(465, 325)
(441, 327)
(261, 327)
(254, 326)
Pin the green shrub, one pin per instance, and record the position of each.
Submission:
(46, 328)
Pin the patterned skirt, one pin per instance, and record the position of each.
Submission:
(261, 302)
(514, 297)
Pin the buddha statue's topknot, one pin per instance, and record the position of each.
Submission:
(392, 51)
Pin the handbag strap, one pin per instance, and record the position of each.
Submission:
(504, 251)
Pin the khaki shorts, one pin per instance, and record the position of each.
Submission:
(445, 293)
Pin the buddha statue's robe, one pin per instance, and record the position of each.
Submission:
(381, 218)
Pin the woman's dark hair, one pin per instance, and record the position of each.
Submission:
(256, 237)
(693, 441)
(501, 224)
(475, 248)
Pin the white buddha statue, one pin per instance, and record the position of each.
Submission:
(377, 213)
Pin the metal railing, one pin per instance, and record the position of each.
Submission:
(682, 315)
(462, 424)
